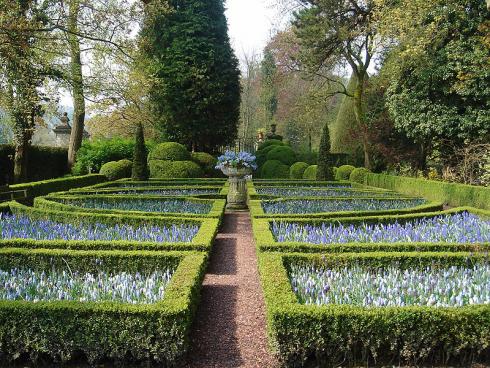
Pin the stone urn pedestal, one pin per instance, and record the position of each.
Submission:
(237, 193)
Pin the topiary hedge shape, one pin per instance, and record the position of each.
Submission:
(310, 172)
(358, 175)
(297, 170)
(174, 169)
(115, 170)
(274, 169)
(343, 172)
(285, 154)
(206, 161)
(270, 142)
(170, 151)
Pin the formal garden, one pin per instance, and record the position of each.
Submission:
(323, 204)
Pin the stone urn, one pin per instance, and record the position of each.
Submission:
(237, 192)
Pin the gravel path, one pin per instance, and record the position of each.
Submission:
(230, 327)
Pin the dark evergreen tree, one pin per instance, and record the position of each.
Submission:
(324, 171)
(196, 90)
(140, 155)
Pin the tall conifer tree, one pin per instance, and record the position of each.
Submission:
(324, 171)
(196, 91)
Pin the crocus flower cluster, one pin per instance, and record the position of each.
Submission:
(236, 160)
(146, 205)
(319, 192)
(35, 286)
(298, 206)
(171, 192)
(12, 227)
(391, 286)
(457, 228)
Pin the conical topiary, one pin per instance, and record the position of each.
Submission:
(324, 171)
(140, 164)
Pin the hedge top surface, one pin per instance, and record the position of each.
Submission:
(177, 295)
(172, 190)
(257, 210)
(176, 182)
(170, 151)
(266, 241)
(214, 207)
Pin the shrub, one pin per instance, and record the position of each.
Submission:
(270, 142)
(310, 172)
(93, 154)
(311, 158)
(174, 169)
(324, 171)
(358, 175)
(285, 154)
(334, 171)
(206, 161)
(343, 172)
(261, 158)
(115, 170)
(297, 170)
(140, 157)
(274, 169)
(170, 151)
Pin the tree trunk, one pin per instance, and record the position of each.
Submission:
(21, 160)
(361, 119)
(76, 77)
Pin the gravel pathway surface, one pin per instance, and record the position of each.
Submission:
(230, 327)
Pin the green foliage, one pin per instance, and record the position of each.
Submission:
(261, 158)
(196, 91)
(169, 151)
(285, 154)
(450, 193)
(268, 94)
(61, 330)
(343, 172)
(140, 169)
(350, 336)
(324, 171)
(270, 142)
(310, 172)
(297, 170)
(174, 169)
(93, 154)
(115, 170)
(44, 163)
(206, 161)
(40, 188)
(310, 158)
(358, 175)
(274, 169)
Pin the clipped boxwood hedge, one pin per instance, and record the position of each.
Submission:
(358, 175)
(61, 330)
(265, 240)
(274, 169)
(169, 151)
(174, 169)
(203, 241)
(270, 142)
(297, 170)
(343, 172)
(343, 335)
(53, 202)
(310, 172)
(115, 170)
(285, 154)
(450, 193)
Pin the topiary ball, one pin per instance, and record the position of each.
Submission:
(174, 169)
(343, 172)
(297, 170)
(169, 151)
(310, 172)
(114, 170)
(285, 154)
(358, 175)
(206, 161)
(270, 142)
(274, 169)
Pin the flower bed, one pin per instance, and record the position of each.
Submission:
(297, 206)
(117, 329)
(91, 231)
(460, 229)
(141, 205)
(350, 335)
(289, 191)
(301, 183)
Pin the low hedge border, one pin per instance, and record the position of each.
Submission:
(342, 335)
(44, 187)
(368, 193)
(257, 211)
(221, 191)
(451, 193)
(158, 183)
(50, 203)
(292, 182)
(266, 242)
(62, 330)
(203, 241)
